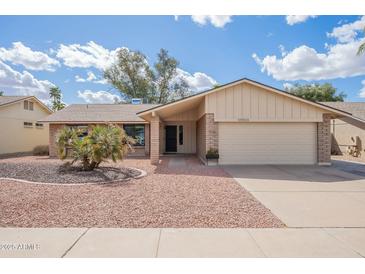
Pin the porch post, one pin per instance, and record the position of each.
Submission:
(155, 140)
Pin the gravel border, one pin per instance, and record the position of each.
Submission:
(41, 170)
(141, 175)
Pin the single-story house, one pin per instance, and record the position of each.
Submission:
(20, 130)
(246, 121)
(349, 133)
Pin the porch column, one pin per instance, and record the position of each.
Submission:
(324, 141)
(53, 130)
(155, 140)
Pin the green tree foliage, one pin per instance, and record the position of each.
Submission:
(131, 74)
(101, 143)
(135, 78)
(1, 93)
(317, 92)
(361, 49)
(56, 96)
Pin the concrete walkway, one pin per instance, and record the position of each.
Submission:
(119, 242)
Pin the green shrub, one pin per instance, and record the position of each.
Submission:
(212, 153)
(41, 150)
(101, 143)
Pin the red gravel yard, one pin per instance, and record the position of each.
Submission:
(185, 194)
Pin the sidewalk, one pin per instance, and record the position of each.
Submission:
(119, 242)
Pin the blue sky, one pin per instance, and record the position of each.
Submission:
(72, 51)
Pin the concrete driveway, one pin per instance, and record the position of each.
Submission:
(308, 196)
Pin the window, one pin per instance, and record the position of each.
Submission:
(136, 132)
(28, 124)
(82, 130)
(181, 135)
(28, 105)
(39, 125)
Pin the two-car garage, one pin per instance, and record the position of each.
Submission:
(267, 143)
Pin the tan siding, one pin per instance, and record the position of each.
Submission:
(250, 102)
(190, 115)
(267, 143)
(14, 136)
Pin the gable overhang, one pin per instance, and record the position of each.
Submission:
(29, 98)
(193, 100)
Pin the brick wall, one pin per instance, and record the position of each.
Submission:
(155, 140)
(200, 137)
(147, 139)
(206, 134)
(211, 137)
(53, 130)
(324, 140)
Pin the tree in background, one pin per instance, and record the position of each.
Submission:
(168, 85)
(56, 95)
(317, 92)
(134, 78)
(1, 93)
(361, 49)
(131, 74)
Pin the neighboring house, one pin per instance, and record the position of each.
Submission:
(349, 133)
(246, 121)
(20, 130)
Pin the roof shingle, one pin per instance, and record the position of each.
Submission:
(89, 113)
(357, 109)
(4, 100)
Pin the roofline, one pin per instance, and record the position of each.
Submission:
(93, 122)
(242, 80)
(26, 98)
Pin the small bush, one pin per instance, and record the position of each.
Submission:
(212, 153)
(41, 150)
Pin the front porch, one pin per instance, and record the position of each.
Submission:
(182, 128)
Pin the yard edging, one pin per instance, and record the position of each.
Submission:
(143, 174)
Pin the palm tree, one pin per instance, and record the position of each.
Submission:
(56, 95)
(361, 49)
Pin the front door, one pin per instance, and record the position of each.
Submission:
(171, 139)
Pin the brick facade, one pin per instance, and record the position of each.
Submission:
(206, 134)
(155, 140)
(53, 130)
(324, 140)
(211, 137)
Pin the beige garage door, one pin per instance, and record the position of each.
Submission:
(267, 143)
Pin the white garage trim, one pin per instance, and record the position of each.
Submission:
(267, 143)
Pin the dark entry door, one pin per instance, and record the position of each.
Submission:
(171, 139)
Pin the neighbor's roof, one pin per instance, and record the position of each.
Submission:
(98, 113)
(355, 108)
(5, 100)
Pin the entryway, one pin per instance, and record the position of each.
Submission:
(171, 139)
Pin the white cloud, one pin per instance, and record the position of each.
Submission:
(296, 19)
(348, 32)
(197, 81)
(91, 77)
(86, 56)
(287, 86)
(362, 90)
(98, 97)
(306, 63)
(19, 54)
(218, 21)
(16, 83)
(176, 17)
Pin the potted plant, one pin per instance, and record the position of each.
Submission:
(212, 156)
